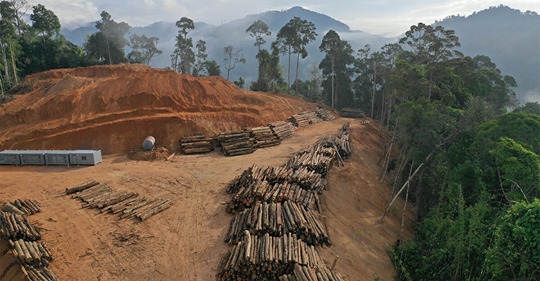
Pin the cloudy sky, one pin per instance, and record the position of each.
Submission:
(386, 17)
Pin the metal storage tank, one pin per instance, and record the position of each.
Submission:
(32, 157)
(85, 157)
(149, 143)
(57, 157)
(10, 157)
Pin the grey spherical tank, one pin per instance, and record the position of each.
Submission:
(148, 143)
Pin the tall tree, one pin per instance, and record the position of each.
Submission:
(45, 22)
(183, 55)
(7, 40)
(143, 48)
(293, 38)
(258, 30)
(200, 58)
(107, 45)
(212, 68)
(20, 7)
(232, 57)
(431, 45)
(336, 68)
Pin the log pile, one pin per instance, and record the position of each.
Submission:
(31, 253)
(282, 129)
(325, 114)
(317, 158)
(304, 273)
(22, 236)
(267, 257)
(351, 113)
(195, 144)
(236, 143)
(14, 227)
(312, 116)
(299, 120)
(278, 219)
(264, 137)
(262, 191)
(122, 203)
(39, 274)
(304, 178)
(22, 207)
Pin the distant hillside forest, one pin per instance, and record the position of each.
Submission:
(469, 166)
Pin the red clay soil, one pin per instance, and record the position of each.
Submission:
(185, 242)
(113, 108)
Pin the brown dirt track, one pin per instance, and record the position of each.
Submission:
(113, 108)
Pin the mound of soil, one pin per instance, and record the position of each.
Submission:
(113, 108)
(160, 153)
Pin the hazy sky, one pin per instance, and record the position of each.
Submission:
(386, 17)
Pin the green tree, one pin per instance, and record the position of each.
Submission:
(529, 107)
(515, 254)
(232, 57)
(183, 55)
(8, 42)
(258, 30)
(107, 45)
(200, 58)
(336, 70)
(143, 48)
(45, 22)
(212, 68)
(293, 38)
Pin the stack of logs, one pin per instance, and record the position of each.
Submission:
(264, 137)
(267, 257)
(278, 219)
(325, 114)
(351, 113)
(124, 204)
(236, 143)
(312, 116)
(15, 226)
(304, 273)
(22, 207)
(276, 235)
(23, 238)
(282, 129)
(306, 179)
(299, 120)
(194, 144)
(263, 191)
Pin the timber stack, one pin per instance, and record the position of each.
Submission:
(325, 114)
(236, 143)
(277, 220)
(264, 137)
(304, 178)
(299, 120)
(122, 203)
(22, 207)
(24, 240)
(262, 191)
(267, 257)
(15, 226)
(318, 158)
(351, 113)
(196, 144)
(282, 129)
(312, 117)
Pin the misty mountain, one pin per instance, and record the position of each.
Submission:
(511, 39)
(234, 33)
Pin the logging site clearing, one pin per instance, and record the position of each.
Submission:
(113, 109)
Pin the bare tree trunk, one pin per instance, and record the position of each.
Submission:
(13, 66)
(406, 184)
(296, 81)
(289, 73)
(109, 51)
(404, 209)
(373, 90)
(6, 65)
(334, 97)
(387, 160)
(430, 83)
